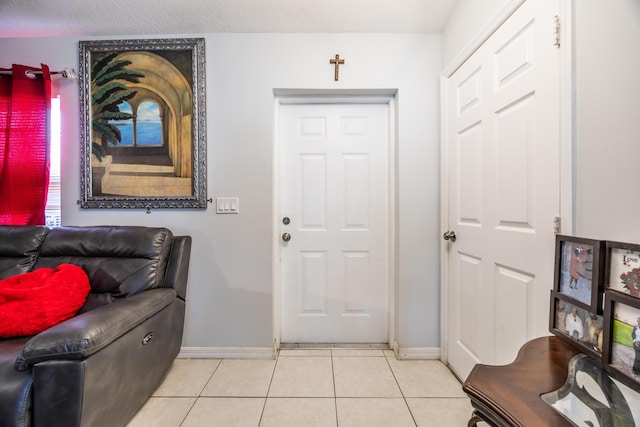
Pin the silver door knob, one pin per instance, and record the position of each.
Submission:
(449, 235)
(286, 237)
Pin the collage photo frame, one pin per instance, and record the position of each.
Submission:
(595, 303)
(576, 311)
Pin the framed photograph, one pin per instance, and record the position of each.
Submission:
(623, 268)
(142, 107)
(576, 325)
(622, 334)
(579, 271)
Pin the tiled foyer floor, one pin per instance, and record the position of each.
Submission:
(325, 387)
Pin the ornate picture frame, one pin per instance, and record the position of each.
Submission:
(143, 125)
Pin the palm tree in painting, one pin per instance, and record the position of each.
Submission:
(108, 91)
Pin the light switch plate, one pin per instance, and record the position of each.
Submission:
(227, 205)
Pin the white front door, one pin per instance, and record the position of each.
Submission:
(502, 151)
(334, 190)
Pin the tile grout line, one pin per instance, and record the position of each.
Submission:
(200, 393)
(189, 411)
(273, 373)
(335, 394)
(386, 358)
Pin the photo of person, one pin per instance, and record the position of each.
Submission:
(625, 347)
(574, 324)
(576, 270)
(577, 323)
(577, 266)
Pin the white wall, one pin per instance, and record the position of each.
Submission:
(607, 146)
(465, 22)
(230, 285)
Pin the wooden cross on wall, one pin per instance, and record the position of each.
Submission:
(337, 61)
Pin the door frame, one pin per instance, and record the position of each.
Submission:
(317, 96)
(567, 137)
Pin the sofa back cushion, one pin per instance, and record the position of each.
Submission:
(119, 260)
(19, 246)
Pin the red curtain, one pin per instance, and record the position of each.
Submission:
(25, 107)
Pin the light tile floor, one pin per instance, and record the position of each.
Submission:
(325, 387)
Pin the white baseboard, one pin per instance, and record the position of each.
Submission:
(227, 353)
(416, 353)
(402, 353)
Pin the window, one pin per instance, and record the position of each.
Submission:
(144, 129)
(149, 125)
(52, 212)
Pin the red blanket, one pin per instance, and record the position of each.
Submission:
(35, 301)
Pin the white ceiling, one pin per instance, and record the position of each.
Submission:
(33, 18)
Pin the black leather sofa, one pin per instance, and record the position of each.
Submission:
(99, 367)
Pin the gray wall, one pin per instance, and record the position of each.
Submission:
(230, 296)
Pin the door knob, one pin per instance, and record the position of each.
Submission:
(286, 237)
(449, 235)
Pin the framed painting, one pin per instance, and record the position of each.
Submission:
(142, 106)
(621, 354)
(576, 325)
(623, 268)
(579, 270)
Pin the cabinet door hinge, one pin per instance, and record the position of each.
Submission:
(556, 31)
(556, 225)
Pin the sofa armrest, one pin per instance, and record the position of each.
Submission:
(178, 268)
(89, 332)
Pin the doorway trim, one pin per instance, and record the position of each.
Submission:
(347, 96)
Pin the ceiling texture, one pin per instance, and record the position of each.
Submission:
(44, 18)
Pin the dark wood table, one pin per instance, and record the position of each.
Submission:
(509, 395)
